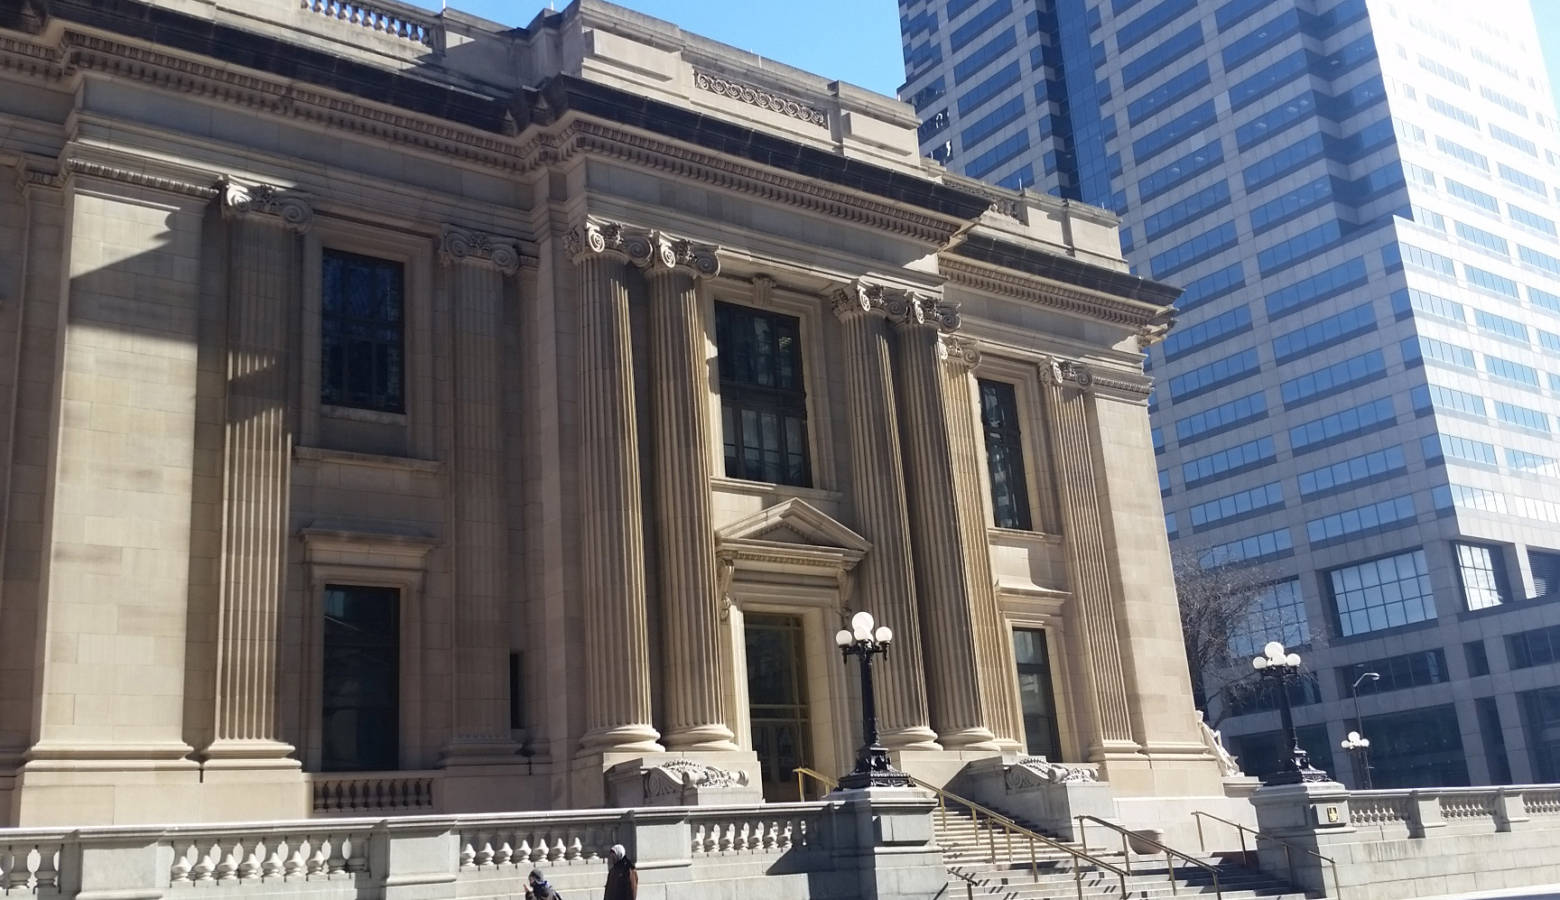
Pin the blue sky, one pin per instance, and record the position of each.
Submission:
(851, 40)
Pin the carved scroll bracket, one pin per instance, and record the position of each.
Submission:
(294, 209)
(471, 246)
(904, 307)
(673, 254)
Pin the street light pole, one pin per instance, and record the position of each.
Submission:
(1363, 743)
(873, 766)
(1281, 667)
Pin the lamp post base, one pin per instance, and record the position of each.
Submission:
(874, 769)
(1297, 769)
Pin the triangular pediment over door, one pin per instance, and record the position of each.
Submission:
(793, 537)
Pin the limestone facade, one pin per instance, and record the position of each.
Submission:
(367, 441)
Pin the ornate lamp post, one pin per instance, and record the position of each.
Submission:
(1362, 744)
(1357, 747)
(1282, 668)
(873, 767)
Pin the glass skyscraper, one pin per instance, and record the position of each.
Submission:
(1361, 397)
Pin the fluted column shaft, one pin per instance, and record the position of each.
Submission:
(263, 268)
(1093, 607)
(956, 683)
(695, 705)
(478, 289)
(617, 671)
(886, 579)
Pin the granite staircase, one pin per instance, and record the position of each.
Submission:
(983, 865)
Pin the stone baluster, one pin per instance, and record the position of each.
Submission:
(617, 673)
(265, 260)
(993, 646)
(957, 694)
(1093, 607)
(479, 272)
(695, 713)
(885, 578)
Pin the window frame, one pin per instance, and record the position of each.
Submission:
(1497, 556)
(774, 400)
(400, 389)
(1034, 438)
(1012, 439)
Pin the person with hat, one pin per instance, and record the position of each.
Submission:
(622, 877)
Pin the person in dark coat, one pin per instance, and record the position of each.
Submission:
(622, 877)
(537, 888)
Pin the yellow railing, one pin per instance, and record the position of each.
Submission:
(1170, 852)
(990, 821)
(1289, 860)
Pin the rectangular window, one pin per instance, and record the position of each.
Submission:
(1407, 302)
(1539, 260)
(1382, 593)
(1489, 281)
(1463, 192)
(1541, 721)
(360, 707)
(1511, 371)
(1373, 467)
(1419, 748)
(1342, 425)
(1276, 121)
(1444, 71)
(1481, 570)
(1521, 416)
(1532, 464)
(1257, 86)
(1531, 220)
(1227, 462)
(1332, 330)
(1154, 60)
(1194, 121)
(1263, 754)
(1216, 374)
(1257, 547)
(1211, 287)
(1538, 647)
(1440, 397)
(1298, 248)
(1511, 138)
(1221, 418)
(1494, 739)
(1316, 288)
(1496, 97)
(1484, 240)
(1282, 162)
(1500, 326)
(1214, 240)
(1455, 113)
(1423, 348)
(1396, 673)
(1333, 379)
(1292, 204)
(1522, 179)
(1463, 154)
(1478, 659)
(1237, 505)
(1036, 697)
(1174, 89)
(1211, 331)
(1427, 260)
(1154, 19)
(978, 24)
(1199, 204)
(1277, 613)
(1441, 446)
(1180, 171)
(362, 332)
(1004, 455)
(763, 397)
(516, 695)
(1367, 519)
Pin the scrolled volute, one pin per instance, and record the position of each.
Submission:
(673, 254)
(596, 238)
(293, 208)
(961, 353)
(468, 245)
(1069, 373)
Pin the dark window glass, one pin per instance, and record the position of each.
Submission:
(1004, 455)
(516, 710)
(1419, 748)
(362, 332)
(1397, 673)
(763, 399)
(1538, 647)
(1494, 739)
(1478, 658)
(1541, 719)
(1303, 691)
(361, 703)
(1035, 694)
(1261, 754)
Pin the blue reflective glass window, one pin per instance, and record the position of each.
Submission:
(1539, 260)
(1281, 163)
(1152, 20)
(1221, 418)
(1229, 461)
(1484, 240)
(1549, 341)
(1304, 198)
(1001, 80)
(1444, 71)
(1194, 121)
(1406, 302)
(1544, 300)
(1511, 138)
(1354, 100)
(1214, 240)
(1442, 445)
(978, 24)
(1371, 517)
(1350, 472)
(1316, 288)
(1500, 326)
(1154, 60)
(1261, 39)
(1333, 379)
(981, 166)
(1422, 347)
(1248, 549)
(1180, 171)
(1004, 42)
(993, 122)
(1382, 593)
(1025, 177)
(1459, 152)
(1522, 179)
(1238, 505)
(1511, 371)
(1436, 396)
(1276, 121)
(1214, 196)
(1237, 11)
(1213, 375)
(1428, 260)
(1472, 195)
(1347, 58)
(1299, 248)
(1211, 331)
(1175, 88)
(1521, 416)
(1489, 281)
(1211, 287)
(1255, 87)
(1451, 111)
(1341, 425)
(1531, 220)
(1334, 329)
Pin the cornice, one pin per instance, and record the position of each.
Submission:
(140, 179)
(1140, 317)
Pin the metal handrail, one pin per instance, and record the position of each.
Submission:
(1289, 860)
(1009, 828)
(1170, 852)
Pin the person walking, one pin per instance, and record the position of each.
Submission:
(537, 888)
(622, 877)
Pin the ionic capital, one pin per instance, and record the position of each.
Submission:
(1068, 373)
(904, 307)
(959, 353)
(596, 238)
(671, 255)
(471, 246)
(294, 209)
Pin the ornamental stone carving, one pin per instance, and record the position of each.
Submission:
(1037, 771)
(294, 209)
(1063, 372)
(468, 245)
(900, 305)
(961, 353)
(675, 776)
(671, 254)
(745, 93)
(594, 238)
(1214, 741)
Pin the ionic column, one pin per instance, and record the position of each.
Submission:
(886, 578)
(1093, 607)
(617, 670)
(993, 645)
(956, 690)
(695, 704)
(264, 266)
(478, 269)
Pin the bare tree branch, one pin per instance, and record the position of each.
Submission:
(1217, 604)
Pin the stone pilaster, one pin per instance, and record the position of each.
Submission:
(1092, 622)
(886, 577)
(993, 645)
(695, 713)
(479, 272)
(617, 671)
(264, 268)
(957, 696)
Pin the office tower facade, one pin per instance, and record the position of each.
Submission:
(1360, 398)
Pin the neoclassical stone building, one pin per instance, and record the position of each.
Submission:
(403, 412)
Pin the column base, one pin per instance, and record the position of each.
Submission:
(629, 739)
(248, 754)
(716, 738)
(918, 737)
(969, 739)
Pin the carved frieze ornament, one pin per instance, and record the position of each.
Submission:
(671, 254)
(1065, 372)
(595, 238)
(1037, 771)
(292, 208)
(763, 289)
(468, 245)
(753, 96)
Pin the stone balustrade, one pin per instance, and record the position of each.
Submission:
(1415, 812)
(367, 793)
(804, 849)
(383, 16)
